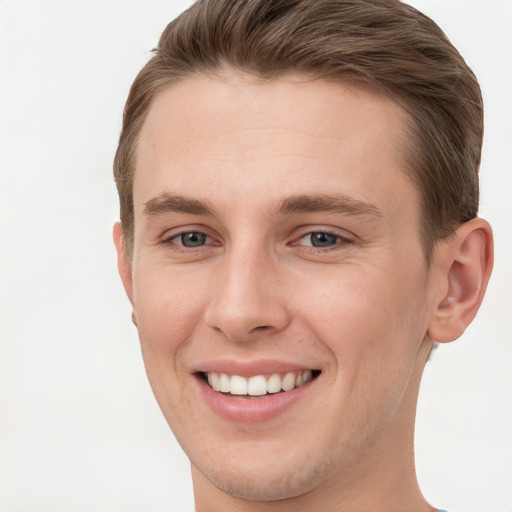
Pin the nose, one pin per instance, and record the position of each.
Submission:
(248, 300)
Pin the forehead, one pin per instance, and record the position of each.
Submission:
(268, 139)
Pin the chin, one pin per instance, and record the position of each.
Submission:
(245, 485)
(271, 480)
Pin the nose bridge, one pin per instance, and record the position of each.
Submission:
(246, 298)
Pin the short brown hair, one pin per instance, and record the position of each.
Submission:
(383, 44)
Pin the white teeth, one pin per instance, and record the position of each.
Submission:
(258, 385)
(214, 380)
(274, 383)
(224, 383)
(238, 385)
(288, 382)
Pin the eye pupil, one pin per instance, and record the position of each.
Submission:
(323, 239)
(193, 239)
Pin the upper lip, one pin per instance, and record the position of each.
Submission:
(250, 368)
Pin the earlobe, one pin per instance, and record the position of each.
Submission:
(124, 268)
(465, 267)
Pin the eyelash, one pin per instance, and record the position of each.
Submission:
(170, 241)
(341, 241)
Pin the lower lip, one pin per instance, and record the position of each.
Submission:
(251, 409)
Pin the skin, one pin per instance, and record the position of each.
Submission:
(363, 309)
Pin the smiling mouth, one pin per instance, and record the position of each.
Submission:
(257, 386)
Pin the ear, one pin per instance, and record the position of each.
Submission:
(124, 268)
(464, 264)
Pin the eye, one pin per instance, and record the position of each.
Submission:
(191, 239)
(321, 239)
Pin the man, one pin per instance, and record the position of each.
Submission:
(299, 189)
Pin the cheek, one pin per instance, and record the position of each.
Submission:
(367, 318)
(168, 306)
(372, 326)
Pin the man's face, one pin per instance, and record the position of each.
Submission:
(276, 232)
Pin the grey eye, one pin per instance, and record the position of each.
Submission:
(323, 239)
(192, 239)
(319, 239)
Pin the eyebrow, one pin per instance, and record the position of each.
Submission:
(167, 203)
(338, 203)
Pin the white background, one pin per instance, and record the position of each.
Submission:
(79, 427)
